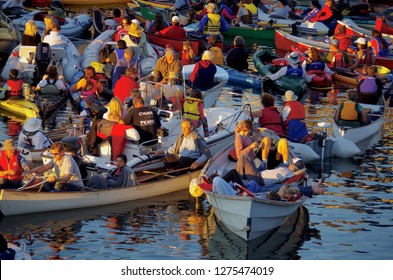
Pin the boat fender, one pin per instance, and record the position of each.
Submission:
(194, 189)
(306, 153)
(345, 148)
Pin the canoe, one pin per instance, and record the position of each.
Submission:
(167, 4)
(10, 37)
(284, 41)
(92, 52)
(209, 96)
(315, 28)
(362, 135)
(149, 13)
(20, 108)
(48, 103)
(13, 202)
(72, 28)
(352, 29)
(298, 85)
(251, 34)
(66, 58)
(177, 45)
(247, 216)
(383, 27)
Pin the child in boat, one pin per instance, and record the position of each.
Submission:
(193, 110)
(122, 176)
(13, 89)
(188, 55)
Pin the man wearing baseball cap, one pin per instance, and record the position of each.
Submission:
(364, 54)
(167, 64)
(336, 58)
(174, 31)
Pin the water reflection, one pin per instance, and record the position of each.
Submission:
(281, 243)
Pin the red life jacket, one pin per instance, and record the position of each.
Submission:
(366, 57)
(271, 119)
(16, 87)
(297, 111)
(338, 60)
(13, 164)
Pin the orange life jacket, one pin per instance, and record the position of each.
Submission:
(348, 111)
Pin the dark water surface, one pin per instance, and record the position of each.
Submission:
(353, 220)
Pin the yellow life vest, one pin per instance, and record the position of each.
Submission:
(212, 27)
(348, 111)
(252, 8)
(191, 108)
(252, 17)
(218, 58)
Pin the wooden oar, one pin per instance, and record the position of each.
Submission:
(32, 186)
(161, 174)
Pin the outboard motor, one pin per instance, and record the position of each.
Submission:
(42, 58)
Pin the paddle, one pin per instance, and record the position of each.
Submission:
(161, 174)
(23, 188)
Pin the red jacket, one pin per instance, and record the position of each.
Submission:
(298, 112)
(344, 41)
(124, 86)
(324, 14)
(173, 32)
(13, 164)
(16, 87)
(271, 119)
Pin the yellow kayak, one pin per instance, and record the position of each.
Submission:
(21, 108)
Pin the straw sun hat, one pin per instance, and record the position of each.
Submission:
(289, 96)
(135, 30)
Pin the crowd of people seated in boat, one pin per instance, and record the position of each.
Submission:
(125, 71)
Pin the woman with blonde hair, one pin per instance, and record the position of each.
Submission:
(115, 110)
(49, 21)
(31, 36)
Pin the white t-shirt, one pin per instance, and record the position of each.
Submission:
(276, 175)
(68, 166)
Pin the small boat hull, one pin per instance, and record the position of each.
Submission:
(13, 202)
(362, 135)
